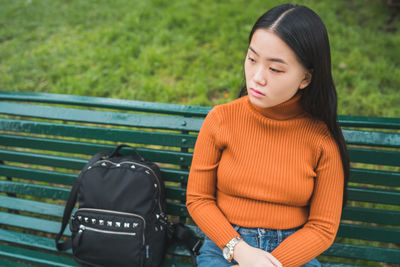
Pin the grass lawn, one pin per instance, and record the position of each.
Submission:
(185, 51)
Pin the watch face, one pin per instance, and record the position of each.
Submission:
(225, 252)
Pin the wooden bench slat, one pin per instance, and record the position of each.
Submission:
(6, 263)
(176, 193)
(364, 252)
(45, 191)
(371, 138)
(172, 175)
(177, 209)
(36, 256)
(32, 206)
(378, 216)
(369, 156)
(68, 146)
(175, 175)
(374, 195)
(32, 223)
(37, 175)
(162, 156)
(30, 240)
(36, 190)
(374, 177)
(369, 122)
(99, 133)
(88, 101)
(42, 159)
(363, 232)
(166, 156)
(102, 117)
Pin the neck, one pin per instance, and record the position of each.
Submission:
(289, 109)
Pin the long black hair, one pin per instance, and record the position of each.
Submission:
(305, 33)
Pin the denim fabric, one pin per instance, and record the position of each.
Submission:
(266, 239)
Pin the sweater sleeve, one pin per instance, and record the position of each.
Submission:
(201, 188)
(319, 232)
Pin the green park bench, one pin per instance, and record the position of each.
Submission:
(45, 139)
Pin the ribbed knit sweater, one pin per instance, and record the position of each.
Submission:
(275, 168)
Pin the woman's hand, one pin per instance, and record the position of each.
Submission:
(248, 256)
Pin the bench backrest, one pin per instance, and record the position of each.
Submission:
(45, 139)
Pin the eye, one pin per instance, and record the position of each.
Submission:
(275, 70)
(252, 60)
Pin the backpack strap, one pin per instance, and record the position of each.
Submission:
(184, 235)
(73, 195)
(116, 153)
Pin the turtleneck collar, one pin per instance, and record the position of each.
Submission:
(289, 109)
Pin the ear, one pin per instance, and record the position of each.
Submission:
(307, 79)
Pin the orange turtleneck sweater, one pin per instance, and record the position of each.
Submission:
(272, 168)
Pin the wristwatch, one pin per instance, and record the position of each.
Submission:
(227, 251)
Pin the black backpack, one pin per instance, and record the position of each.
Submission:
(121, 219)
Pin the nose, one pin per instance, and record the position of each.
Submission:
(259, 77)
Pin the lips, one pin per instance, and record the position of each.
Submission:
(256, 93)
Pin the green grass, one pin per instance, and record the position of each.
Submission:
(185, 51)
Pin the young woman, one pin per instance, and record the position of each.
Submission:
(270, 169)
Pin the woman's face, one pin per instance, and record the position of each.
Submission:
(273, 74)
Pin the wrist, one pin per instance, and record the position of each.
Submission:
(239, 249)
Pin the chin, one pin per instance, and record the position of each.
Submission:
(257, 102)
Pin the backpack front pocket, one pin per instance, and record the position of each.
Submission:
(108, 238)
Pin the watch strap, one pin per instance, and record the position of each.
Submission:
(231, 244)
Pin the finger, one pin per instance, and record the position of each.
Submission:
(273, 260)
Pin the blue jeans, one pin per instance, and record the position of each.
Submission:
(266, 239)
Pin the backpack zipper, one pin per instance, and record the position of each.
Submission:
(150, 169)
(83, 228)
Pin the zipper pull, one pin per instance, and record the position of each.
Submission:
(77, 240)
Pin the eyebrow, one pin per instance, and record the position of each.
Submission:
(279, 60)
